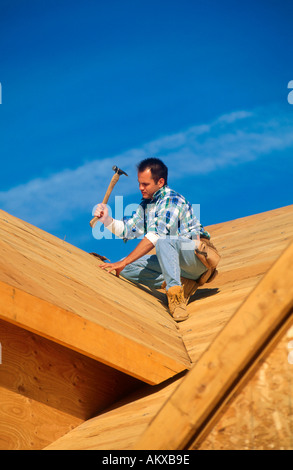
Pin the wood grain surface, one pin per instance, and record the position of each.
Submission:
(57, 276)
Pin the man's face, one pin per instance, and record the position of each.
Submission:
(147, 185)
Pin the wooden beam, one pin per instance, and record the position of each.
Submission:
(86, 337)
(230, 360)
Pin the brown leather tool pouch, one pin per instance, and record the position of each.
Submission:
(208, 254)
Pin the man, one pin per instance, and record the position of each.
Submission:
(166, 221)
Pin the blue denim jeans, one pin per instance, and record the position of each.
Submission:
(174, 258)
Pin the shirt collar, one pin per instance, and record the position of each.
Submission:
(160, 193)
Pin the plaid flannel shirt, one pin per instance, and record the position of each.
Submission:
(168, 213)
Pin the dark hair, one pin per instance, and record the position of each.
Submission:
(157, 167)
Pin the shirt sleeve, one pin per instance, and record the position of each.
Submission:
(152, 237)
(116, 227)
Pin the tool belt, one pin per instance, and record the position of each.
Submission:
(208, 254)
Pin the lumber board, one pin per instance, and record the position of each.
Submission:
(232, 357)
(57, 291)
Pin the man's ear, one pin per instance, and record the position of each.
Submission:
(161, 182)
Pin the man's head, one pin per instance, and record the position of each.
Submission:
(152, 175)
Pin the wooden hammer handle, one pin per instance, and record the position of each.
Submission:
(114, 180)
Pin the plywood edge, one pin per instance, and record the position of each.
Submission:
(251, 218)
(230, 360)
(88, 338)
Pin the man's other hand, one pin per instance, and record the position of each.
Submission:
(118, 267)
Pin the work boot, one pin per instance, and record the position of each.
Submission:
(176, 302)
(189, 288)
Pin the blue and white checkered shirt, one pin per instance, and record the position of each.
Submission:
(168, 213)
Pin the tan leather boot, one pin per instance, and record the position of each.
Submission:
(177, 304)
(189, 288)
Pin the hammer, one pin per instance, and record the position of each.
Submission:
(113, 181)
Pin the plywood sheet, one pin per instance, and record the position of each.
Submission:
(261, 416)
(27, 424)
(58, 291)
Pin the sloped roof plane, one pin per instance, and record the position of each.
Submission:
(99, 356)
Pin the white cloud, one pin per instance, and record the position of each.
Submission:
(229, 140)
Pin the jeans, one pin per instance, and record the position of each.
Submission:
(174, 258)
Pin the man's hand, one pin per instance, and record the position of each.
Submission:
(144, 247)
(102, 213)
(118, 267)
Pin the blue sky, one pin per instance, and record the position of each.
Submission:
(90, 84)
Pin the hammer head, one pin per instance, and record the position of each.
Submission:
(117, 170)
